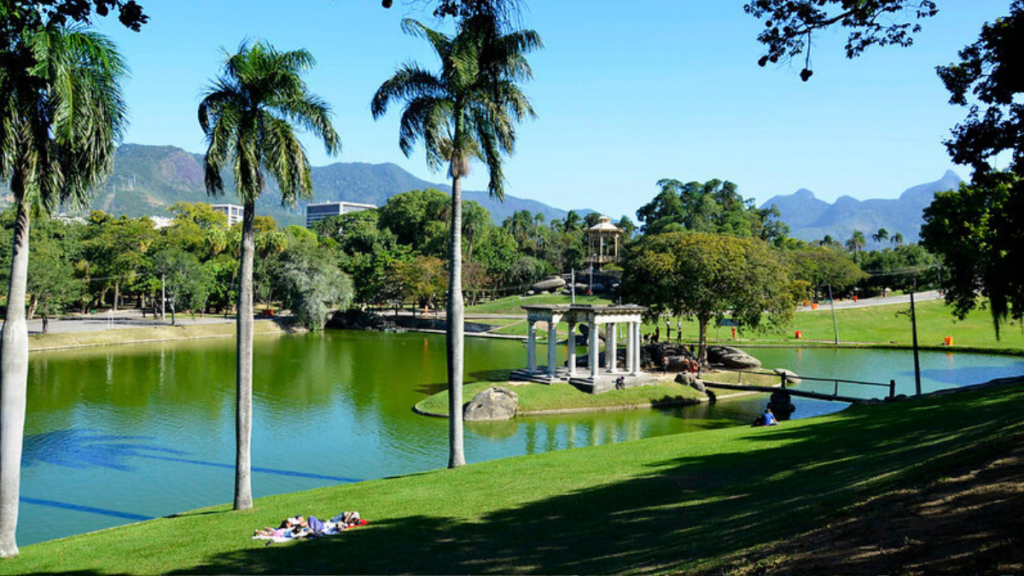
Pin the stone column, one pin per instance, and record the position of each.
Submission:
(629, 347)
(572, 349)
(595, 343)
(635, 369)
(552, 347)
(531, 346)
(611, 355)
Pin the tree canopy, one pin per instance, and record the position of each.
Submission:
(707, 277)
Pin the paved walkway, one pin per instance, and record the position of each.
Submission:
(879, 301)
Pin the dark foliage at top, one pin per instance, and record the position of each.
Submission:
(791, 24)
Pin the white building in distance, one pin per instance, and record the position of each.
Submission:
(322, 211)
(161, 221)
(232, 211)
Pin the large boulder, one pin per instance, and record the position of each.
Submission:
(730, 357)
(553, 283)
(791, 377)
(495, 403)
(691, 380)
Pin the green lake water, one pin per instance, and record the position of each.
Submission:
(121, 434)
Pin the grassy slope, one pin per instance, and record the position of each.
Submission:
(656, 505)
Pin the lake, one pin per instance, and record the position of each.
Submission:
(121, 434)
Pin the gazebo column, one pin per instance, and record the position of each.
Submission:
(531, 345)
(572, 348)
(635, 339)
(629, 347)
(552, 346)
(611, 355)
(595, 343)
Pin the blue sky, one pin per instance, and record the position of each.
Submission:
(626, 93)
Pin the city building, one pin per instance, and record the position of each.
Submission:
(232, 211)
(317, 212)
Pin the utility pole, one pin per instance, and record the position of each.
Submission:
(163, 297)
(590, 287)
(835, 325)
(913, 324)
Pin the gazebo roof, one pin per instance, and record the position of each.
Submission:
(604, 225)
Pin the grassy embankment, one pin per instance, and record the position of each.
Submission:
(872, 325)
(675, 503)
(538, 398)
(58, 341)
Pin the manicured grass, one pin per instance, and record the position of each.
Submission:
(873, 325)
(538, 397)
(666, 504)
(512, 304)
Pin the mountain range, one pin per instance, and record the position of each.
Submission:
(148, 179)
(810, 218)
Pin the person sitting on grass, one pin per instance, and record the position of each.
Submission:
(766, 419)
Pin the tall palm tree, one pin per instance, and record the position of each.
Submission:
(856, 242)
(897, 239)
(249, 115)
(61, 113)
(468, 109)
(881, 236)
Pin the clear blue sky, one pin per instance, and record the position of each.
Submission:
(626, 92)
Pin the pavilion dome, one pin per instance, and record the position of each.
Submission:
(604, 224)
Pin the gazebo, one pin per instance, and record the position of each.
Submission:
(603, 241)
(597, 378)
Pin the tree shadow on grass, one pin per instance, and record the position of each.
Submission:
(684, 510)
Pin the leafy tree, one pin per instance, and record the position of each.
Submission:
(312, 285)
(823, 267)
(248, 114)
(498, 252)
(989, 73)
(707, 276)
(904, 268)
(977, 232)
(60, 116)
(409, 214)
(791, 24)
(467, 110)
(188, 283)
(421, 280)
(713, 206)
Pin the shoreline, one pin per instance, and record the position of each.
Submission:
(151, 334)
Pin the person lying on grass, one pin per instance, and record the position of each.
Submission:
(298, 527)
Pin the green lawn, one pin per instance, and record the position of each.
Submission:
(667, 504)
(512, 304)
(538, 397)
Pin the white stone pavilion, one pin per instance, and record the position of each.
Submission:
(596, 377)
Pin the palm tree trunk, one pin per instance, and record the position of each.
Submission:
(13, 387)
(456, 454)
(243, 416)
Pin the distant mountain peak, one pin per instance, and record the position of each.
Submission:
(810, 218)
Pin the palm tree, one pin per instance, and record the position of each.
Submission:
(856, 242)
(897, 239)
(881, 236)
(248, 115)
(468, 109)
(61, 113)
(573, 222)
